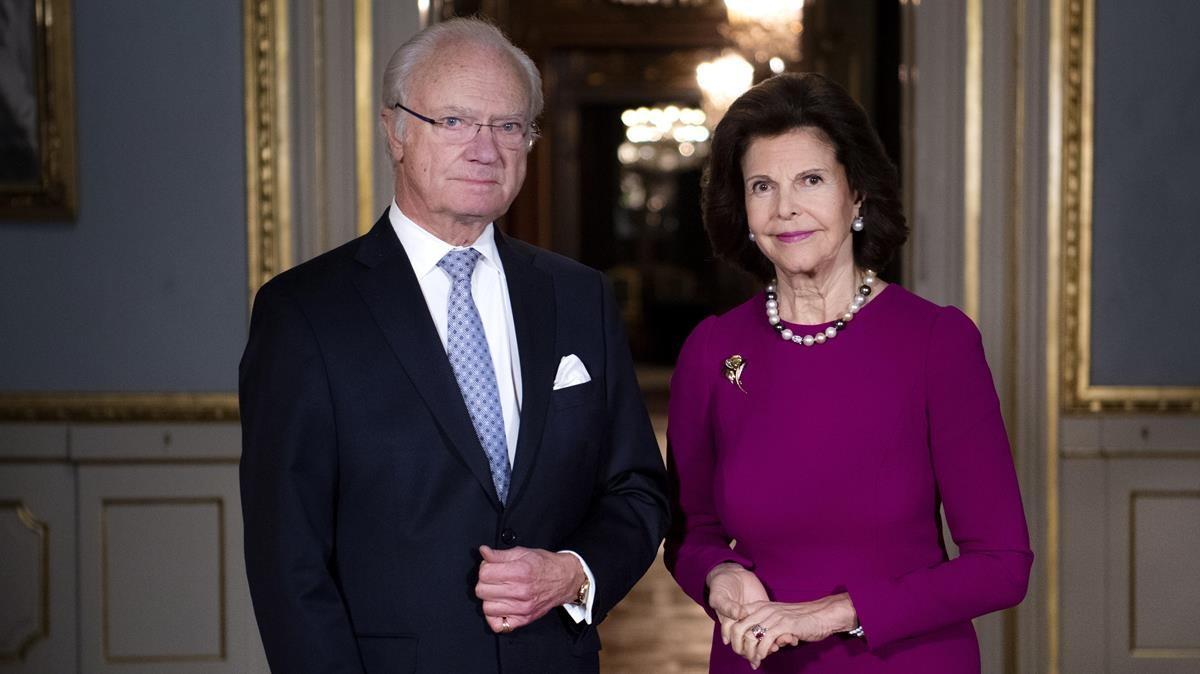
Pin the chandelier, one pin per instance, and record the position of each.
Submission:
(664, 139)
(766, 29)
(721, 81)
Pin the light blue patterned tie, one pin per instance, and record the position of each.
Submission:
(467, 347)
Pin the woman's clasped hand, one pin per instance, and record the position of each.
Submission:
(755, 627)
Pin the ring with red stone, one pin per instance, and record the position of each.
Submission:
(759, 632)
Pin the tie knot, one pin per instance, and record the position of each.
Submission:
(458, 264)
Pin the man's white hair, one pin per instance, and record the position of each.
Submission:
(422, 48)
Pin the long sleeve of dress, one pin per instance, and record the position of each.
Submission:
(977, 484)
(697, 541)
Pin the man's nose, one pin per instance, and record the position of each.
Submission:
(483, 147)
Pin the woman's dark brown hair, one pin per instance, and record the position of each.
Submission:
(776, 106)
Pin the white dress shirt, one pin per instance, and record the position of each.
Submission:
(489, 290)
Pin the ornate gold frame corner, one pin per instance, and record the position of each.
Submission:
(1075, 102)
(53, 194)
(268, 231)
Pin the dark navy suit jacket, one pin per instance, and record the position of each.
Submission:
(365, 491)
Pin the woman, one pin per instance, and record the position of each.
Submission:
(823, 423)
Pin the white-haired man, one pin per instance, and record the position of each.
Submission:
(447, 466)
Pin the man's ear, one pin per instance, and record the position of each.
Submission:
(394, 141)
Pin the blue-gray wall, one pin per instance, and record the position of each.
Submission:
(1146, 299)
(146, 289)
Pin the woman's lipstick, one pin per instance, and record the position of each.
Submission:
(793, 237)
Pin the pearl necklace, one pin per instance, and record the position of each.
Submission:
(860, 299)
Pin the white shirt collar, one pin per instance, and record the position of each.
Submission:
(425, 250)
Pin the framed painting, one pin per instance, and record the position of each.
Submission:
(37, 114)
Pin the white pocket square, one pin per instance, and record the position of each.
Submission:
(571, 372)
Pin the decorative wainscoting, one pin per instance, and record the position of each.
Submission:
(123, 550)
(1131, 530)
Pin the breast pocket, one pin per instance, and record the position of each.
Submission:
(572, 396)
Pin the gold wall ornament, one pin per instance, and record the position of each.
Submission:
(1074, 100)
(46, 189)
(734, 365)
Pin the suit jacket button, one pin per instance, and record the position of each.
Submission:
(508, 537)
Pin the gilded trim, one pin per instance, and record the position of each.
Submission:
(268, 165)
(973, 158)
(1054, 329)
(1160, 653)
(42, 531)
(221, 553)
(1011, 374)
(321, 200)
(1074, 98)
(364, 114)
(42, 406)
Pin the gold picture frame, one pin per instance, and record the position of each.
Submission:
(37, 111)
(1073, 106)
(268, 233)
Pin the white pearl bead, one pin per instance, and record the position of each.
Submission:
(858, 301)
(854, 308)
(797, 339)
(820, 338)
(773, 320)
(847, 317)
(809, 340)
(870, 279)
(786, 334)
(831, 332)
(772, 304)
(771, 288)
(772, 312)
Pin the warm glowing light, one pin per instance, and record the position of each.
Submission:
(777, 65)
(722, 81)
(766, 28)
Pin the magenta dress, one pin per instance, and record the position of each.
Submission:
(829, 471)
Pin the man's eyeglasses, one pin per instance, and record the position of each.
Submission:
(514, 135)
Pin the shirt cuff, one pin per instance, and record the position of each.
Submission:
(582, 613)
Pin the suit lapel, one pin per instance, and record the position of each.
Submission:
(390, 289)
(531, 292)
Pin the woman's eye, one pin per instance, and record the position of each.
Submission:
(760, 187)
(812, 181)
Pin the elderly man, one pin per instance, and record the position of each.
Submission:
(447, 466)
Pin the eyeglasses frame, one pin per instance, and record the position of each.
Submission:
(531, 134)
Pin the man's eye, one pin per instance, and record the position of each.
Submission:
(812, 181)
(453, 122)
(514, 128)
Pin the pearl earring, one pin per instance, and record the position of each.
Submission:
(751, 236)
(857, 223)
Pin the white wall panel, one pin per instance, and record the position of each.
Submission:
(162, 577)
(37, 569)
